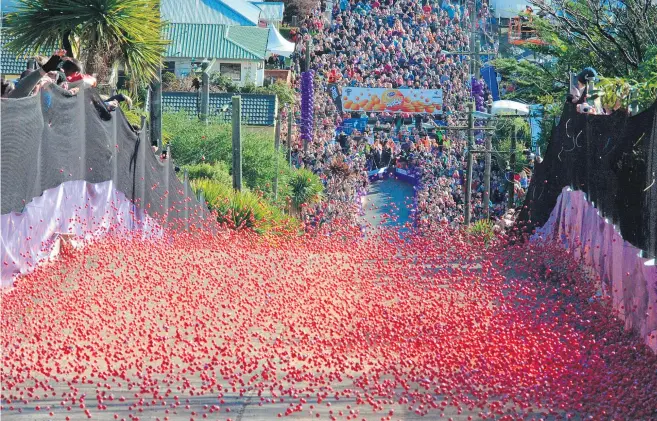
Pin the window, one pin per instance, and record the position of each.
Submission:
(197, 66)
(232, 71)
(169, 67)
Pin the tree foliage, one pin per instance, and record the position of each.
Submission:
(618, 39)
(100, 32)
(613, 36)
(534, 83)
(639, 89)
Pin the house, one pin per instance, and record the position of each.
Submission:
(239, 51)
(234, 33)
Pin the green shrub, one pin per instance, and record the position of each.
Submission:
(218, 172)
(168, 79)
(221, 82)
(482, 230)
(286, 94)
(213, 191)
(305, 188)
(135, 112)
(194, 143)
(245, 209)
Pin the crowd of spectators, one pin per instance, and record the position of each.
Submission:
(65, 72)
(396, 44)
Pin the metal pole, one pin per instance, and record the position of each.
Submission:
(237, 142)
(468, 177)
(277, 147)
(308, 45)
(205, 93)
(201, 200)
(289, 137)
(473, 31)
(156, 109)
(489, 147)
(475, 59)
(512, 164)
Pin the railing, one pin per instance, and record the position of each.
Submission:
(257, 109)
(520, 32)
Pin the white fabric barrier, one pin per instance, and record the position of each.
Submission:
(76, 212)
(628, 278)
(378, 171)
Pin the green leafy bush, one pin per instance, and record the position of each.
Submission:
(638, 90)
(135, 111)
(286, 94)
(194, 143)
(305, 188)
(168, 78)
(222, 82)
(218, 172)
(482, 230)
(245, 209)
(213, 191)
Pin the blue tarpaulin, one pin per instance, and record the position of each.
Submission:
(489, 75)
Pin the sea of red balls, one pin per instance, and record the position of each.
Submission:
(428, 323)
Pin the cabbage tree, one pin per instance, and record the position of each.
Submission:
(101, 33)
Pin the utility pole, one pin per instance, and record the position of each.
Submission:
(237, 142)
(489, 150)
(277, 147)
(468, 177)
(289, 136)
(205, 92)
(473, 36)
(156, 109)
(476, 62)
(308, 45)
(512, 163)
(472, 114)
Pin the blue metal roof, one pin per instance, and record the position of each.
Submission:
(210, 12)
(271, 11)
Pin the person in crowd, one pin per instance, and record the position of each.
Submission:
(393, 45)
(30, 80)
(75, 76)
(579, 91)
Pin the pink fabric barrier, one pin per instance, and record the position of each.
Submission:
(630, 279)
(85, 210)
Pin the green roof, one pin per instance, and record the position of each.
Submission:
(216, 41)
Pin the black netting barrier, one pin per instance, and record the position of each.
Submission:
(613, 159)
(52, 137)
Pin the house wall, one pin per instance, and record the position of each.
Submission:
(249, 69)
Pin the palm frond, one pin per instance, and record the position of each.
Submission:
(129, 31)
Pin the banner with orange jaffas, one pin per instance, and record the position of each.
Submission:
(392, 100)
